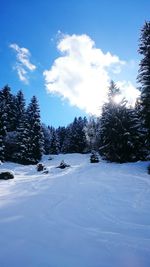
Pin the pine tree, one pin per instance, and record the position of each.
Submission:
(14, 141)
(23, 141)
(65, 148)
(2, 147)
(8, 101)
(92, 129)
(2, 133)
(136, 135)
(20, 106)
(144, 80)
(108, 135)
(76, 136)
(46, 138)
(21, 137)
(80, 134)
(121, 137)
(54, 144)
(34, 132)
(113, 92)
(61, 135)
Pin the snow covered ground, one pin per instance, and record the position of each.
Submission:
(89, 215)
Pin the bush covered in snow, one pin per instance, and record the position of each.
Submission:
(63, 165)
(6, 175)
(45, 171)
(94, 157)
(40, 167)
(50, 158)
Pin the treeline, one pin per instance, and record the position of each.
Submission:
(24, 139)
(120, 134)
(70, 139)
(21, 137)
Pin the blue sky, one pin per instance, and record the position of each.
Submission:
(73, 49)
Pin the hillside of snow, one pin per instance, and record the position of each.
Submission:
(88, 215)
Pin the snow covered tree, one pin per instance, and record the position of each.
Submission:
(94, 158)
(10, 142)
(65, 147)
(54, 144)
(61, 136)
(20, 106)
(34, 131)
(130, 140)
(21, 137)
(76, 136)
(2, 157)
(46, 139)
(9, 106)
(120, 131)
(92, 129)
(108, 135)
(14, 141)
(2, 133)
(144, 80)
(136, 135)
(23, 141)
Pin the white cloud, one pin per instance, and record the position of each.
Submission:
(82, 73)
(23, 64)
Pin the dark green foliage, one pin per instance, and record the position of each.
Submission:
(34, 132)
(10, 143)
(144, 80)
(20, 107)
(76, 140)
(10, 119)
(92, 130)
(20, 129)
(8, 102)
(65, 145)
(46, 139)
(61, 135)
(22, 144)
(54, 143)
(120, 134)
(2, 131)
(70, 139)
(30, 135)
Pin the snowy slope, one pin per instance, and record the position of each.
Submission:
(89, 215)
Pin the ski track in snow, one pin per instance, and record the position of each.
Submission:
(88, 215)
